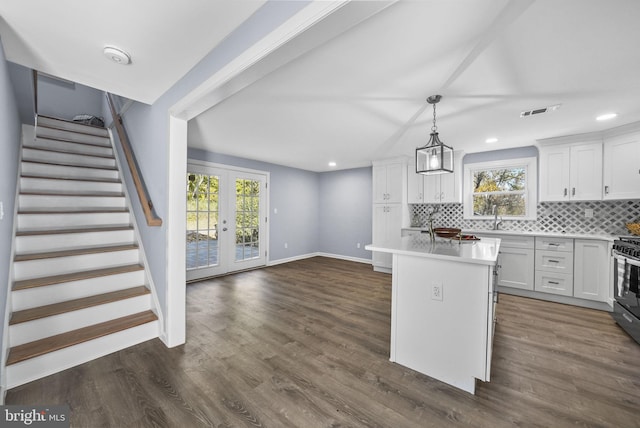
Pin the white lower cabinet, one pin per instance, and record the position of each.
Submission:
(387, 225)
(591, 277)
(554, 266)
(516, 268)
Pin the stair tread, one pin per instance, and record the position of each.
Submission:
(70, 210)
(75, 276)
(74, 252)
(71, 164)
(73, 131)
(108, 228)
(96, 179)
(76, 304)
(67, 152)
(66, 140)
(54, 343)
(71, 193)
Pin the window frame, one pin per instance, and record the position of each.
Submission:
(530, 165)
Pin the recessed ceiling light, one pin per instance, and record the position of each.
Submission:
(332, 164)
(607, 116)
(491, 140)
(117, 55)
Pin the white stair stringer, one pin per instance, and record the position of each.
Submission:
(57, 361)
(80, 288)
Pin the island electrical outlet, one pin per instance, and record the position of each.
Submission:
(436, 291)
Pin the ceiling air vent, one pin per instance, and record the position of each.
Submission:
(539, 110)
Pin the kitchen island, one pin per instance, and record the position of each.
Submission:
(442, 307)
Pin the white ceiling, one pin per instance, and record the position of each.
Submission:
(361, 95)
(358, 95)
(65, 38)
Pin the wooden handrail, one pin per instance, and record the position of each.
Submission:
(34, 74)
(143, 195)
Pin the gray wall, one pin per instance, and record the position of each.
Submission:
(10, 133)
(148, 125)
(65, 100)
(22, 81)
(345, 212)
(294, 193)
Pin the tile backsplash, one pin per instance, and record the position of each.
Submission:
(609, 217)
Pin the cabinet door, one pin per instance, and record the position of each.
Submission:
(554, 173)
(432, 193)
(622, 167)
(516, 268)
(379, 184)
(591, 276)
(380, 236)
(586, 172)
(395, 182)
(450, 183)
(415, 187)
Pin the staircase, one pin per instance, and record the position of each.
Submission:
(80, 287)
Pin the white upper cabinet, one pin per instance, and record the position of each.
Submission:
(388, 183)
(571, 172)
(622, 167)
(436, 189)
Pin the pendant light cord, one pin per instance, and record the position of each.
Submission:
(434, 128)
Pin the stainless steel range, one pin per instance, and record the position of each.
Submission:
(626, 309)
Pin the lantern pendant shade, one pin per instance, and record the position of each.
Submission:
(435, 157)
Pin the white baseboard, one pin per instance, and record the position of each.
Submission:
(348, 258)
(309, 255)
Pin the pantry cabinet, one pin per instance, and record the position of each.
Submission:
(388, 182)
(622, 166)
(571, 172)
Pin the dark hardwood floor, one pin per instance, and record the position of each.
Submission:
(306, 344)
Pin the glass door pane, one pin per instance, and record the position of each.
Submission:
(203, 192)
(247, 215)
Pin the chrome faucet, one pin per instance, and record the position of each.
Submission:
(496, 223)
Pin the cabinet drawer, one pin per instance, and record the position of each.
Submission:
(554, 261)
(511, 241)
(555, 283)
(554, 244)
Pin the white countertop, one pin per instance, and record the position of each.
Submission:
(601, 237)
(484, 251)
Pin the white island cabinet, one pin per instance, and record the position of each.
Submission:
(442, 307)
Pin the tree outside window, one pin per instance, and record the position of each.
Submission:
(508, 185)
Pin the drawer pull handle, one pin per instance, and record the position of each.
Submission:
(554, 244)
(554, 282)
(627, 317)
(554, 261)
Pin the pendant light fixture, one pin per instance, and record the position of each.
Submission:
(435, 157)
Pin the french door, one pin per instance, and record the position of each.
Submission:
(226, 220)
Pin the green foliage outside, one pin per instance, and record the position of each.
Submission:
(202, 209)
(503, 188)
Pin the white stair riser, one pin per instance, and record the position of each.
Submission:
(43, 132)
(39, 367)
(87, 149)
(29, 168)
(54, 201)
(67, 241)
(39, 184)
(48, 156)
(41, 221)
(56, 293)
(50, 326)
(62, 265)
(79, 127)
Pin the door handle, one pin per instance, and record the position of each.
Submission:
(606, 190)
(565, 191)
(224, 229)
(573, 191)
